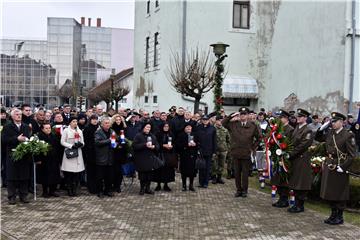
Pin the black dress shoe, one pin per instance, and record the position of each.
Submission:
(158, 188)
(54, 194)
(109, 194)
(166, 188)
(24, 200)
(281, 204)
(295, 209)
(191, 188)
(238, 194)
(244, 194)
(12, 201)
(149, 191)
(184, 188)
(142, 192)
(220, 181)
(100, 195)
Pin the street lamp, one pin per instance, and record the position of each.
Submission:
(219, 50)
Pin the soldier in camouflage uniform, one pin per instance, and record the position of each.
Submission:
(223, 141)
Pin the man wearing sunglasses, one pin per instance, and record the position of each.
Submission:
(340, 152)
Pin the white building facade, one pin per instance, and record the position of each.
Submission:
(282, 53)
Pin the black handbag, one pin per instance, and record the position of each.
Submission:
(71, 153)
(157, 162)
(171, 159)
(200, 162)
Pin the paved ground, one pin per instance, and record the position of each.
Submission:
(207, 214)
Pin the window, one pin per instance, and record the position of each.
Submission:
(147, 52)
(236, 102)
(155, 99)
(156, 44)
(146, 99)
(241, 14)
(157, 3)
(148, 7)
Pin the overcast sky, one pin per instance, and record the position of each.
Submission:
(27, 18)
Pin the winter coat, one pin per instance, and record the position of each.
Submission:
(187, 154)
(335, 185)
(207, 139)
(142, 154)
(131, 130)
(104, 152)
(89, 148)
(48, 172)
(19, 170)
(67, 140)
(301, 173)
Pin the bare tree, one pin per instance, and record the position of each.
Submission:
(194, 77)
(118, 94)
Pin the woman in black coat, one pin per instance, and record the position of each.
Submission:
(48, 167)
(89, 153)
(187, 147)
(145, 147)
(166, 173)
(118, 125)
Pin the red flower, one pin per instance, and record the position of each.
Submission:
(279, 136)
(283, 146)
(274, 128)
(272, 142)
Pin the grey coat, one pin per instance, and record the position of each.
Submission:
(104, 152)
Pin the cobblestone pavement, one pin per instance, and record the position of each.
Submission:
(211, 213)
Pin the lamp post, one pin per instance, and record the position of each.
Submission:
(219, 50)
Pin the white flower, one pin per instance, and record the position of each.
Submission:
(278, 152)
(26, 143)
(42, 141)
(269, 153)
(323, 159)
(32, 138)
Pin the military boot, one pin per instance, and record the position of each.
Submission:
(219, 180)
(338, 218)
(332, 216)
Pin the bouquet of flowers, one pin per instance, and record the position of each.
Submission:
(277, 148)
(316, 163)
(31, 147)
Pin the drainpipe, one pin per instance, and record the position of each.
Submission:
(352, 66)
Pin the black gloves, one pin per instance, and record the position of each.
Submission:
(77, 145)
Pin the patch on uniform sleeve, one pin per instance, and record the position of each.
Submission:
(353, 141)
(308, 136)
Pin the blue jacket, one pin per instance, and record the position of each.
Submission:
(207, 139)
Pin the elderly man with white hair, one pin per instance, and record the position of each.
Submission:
(17, 172)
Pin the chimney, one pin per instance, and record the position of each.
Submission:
(89, 22)
(98, 22)
(82, 20)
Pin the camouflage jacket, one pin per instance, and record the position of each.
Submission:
(223, 139)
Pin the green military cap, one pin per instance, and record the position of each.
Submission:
(337, 116)
(284, 113)
(302, 113)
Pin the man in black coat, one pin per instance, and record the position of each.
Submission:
(207, 144)
(17, 172)
(104, 157)
(66, 114)
(132, 127)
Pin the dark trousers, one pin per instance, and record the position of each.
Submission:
(283, 192)
(49, 188)
(242, 169)
(21, 185)
(183, 178)
(91, 177)
(103, 174)
(117, 176)
(300, 196)
(338, 204)
(71, 179)
(3, 170)
(204, 174)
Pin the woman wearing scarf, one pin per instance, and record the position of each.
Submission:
(165, 174)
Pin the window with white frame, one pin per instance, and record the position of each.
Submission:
(241, 14)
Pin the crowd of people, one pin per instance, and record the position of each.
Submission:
(89, 148)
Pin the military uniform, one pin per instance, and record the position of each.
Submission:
(301, 173)
(282, 187)
(223, 144)
(341, 150)
(244, 139)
